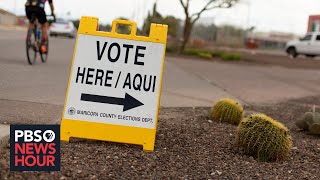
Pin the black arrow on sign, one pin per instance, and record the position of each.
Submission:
(128, 101)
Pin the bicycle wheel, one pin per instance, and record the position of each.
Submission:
(44, 56)
(31, 46)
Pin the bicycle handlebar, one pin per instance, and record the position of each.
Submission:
(53, 16)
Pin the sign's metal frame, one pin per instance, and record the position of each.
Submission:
(109, 132)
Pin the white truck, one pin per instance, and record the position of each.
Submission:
(308, 46)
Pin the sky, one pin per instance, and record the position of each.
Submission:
(264, 15)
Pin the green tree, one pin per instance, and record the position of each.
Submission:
(190, 18)
(153, 17)
(173, 25)
(122, 28)
(105, 27)
(156, 17)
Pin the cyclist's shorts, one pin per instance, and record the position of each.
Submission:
(38, 12)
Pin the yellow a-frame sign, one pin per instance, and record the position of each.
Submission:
(115, 83)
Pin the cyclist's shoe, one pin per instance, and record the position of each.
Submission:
(43, 48)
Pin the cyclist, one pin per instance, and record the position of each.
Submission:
(36, 8)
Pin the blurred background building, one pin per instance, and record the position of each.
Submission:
(314, 23)
(7, 18)
(270, 40)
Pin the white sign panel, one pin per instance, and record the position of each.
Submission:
(115, 81)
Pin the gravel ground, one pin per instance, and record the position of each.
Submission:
(188, 146)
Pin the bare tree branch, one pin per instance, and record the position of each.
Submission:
(185, 7)
(212, 4)
(191, 19)
(182, 3)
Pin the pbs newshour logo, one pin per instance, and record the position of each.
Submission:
(34, 147)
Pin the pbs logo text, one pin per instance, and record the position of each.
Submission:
(35, 136)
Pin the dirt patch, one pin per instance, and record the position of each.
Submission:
(188, 146)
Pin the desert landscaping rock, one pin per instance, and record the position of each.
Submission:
(188, 146)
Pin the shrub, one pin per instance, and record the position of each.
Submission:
(191, 52)
(264, 138)
(217, 53)
(230, 57)
(227, 110)
(172, 48)
(197, 53)
(205, 55)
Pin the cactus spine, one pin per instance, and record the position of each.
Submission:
(264, 138)
(310, 121)
(306, 119)
(227, 110)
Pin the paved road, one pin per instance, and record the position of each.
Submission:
(36, 93)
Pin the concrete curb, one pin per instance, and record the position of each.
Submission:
(4, 135)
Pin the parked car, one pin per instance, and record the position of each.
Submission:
(308, 46)
(62, 28)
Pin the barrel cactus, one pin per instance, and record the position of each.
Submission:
(227, 110)
(302, 123)
(264, 138)
(315, 129)
(310, 121)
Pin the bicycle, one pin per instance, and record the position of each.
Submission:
(33, 42)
